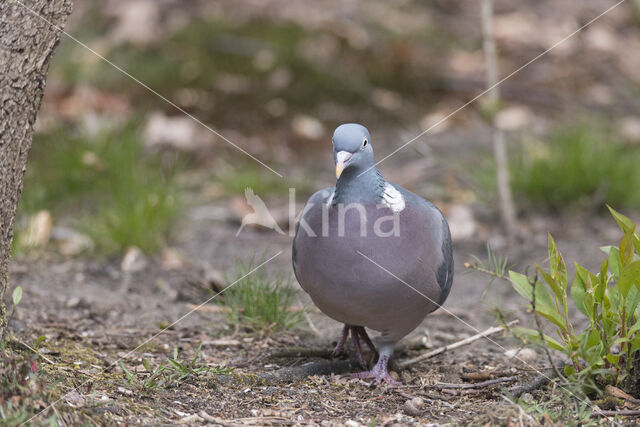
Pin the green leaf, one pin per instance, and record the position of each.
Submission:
(147, 365)
(606, 249)
(629, 276)
(17, 295)
(553, 284)
(614, 262)
(624, 223)
(177, 365)
(579, 290)
(534, 336)
(558, 268)
(569, 370)
(130, 377)
(545, 305)
(626, 248)
(521, 284)
(195, 356)
(614, 359)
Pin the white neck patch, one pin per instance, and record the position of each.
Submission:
(330, 198)
(392, 198)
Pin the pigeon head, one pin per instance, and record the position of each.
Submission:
(352, 150)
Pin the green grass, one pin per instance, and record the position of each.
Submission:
(585, 164)
(107, 187)
(173, 373)
(260, 302)
(22, 389)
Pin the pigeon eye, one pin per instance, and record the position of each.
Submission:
(364, 142)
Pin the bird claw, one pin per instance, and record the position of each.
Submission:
(379, 373)
(379, 377)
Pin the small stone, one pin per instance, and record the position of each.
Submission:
(526, 354)
(133, 260)
(513, 118)
(124, 391)
(307, 127)
(414, 406)
(74, 399)
(171, 259)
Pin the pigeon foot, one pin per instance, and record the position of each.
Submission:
(343, 338)
(379, 373)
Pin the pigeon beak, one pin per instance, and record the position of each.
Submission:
(342, 157)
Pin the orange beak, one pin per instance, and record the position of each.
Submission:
(342, 157)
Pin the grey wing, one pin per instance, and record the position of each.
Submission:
(317, 198)
(444, 275)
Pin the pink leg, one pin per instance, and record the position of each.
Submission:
(365, 337)
(356, 345)
(345, 334)
(380, 372)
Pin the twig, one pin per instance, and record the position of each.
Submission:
(505, 197)
(476, 385)
(476, 267)
(27, 346)
(484, 375)
(539, 327)
(466, 341)
(539, 381)
(622, 413)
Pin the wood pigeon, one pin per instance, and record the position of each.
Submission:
(371, 253)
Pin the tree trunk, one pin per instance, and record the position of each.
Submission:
(29, 33)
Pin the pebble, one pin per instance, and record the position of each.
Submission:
(414, 406)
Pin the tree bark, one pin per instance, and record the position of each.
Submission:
(29, 33)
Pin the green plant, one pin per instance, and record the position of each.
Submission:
(172, 373)
(604, 351)
(22, 391)
(261, 302)
(585, 163)
(106, 186)
(563, 405)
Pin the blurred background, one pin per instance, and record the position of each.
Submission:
(115, 166)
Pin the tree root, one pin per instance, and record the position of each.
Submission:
(538, 382)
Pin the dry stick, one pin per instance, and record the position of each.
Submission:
(476, 385)
(28, 347)
(539, 381)
(491, 331)
(499, 146)
(623, 413)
